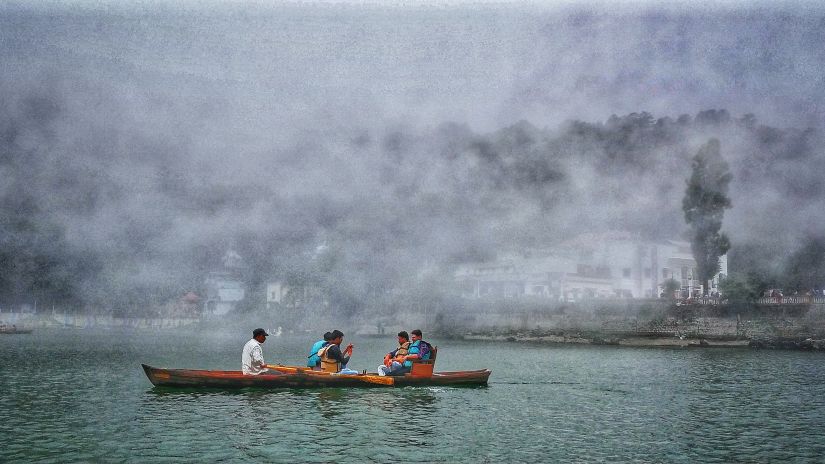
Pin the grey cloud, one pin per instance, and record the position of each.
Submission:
(152, 139)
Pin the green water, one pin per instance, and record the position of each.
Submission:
(78, 396)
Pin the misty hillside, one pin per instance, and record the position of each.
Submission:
(139, 142)
(101, 217)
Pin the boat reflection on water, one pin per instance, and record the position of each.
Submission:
(405, 398)
(333, 402)
(417, 398)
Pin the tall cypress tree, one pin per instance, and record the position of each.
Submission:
(706, 199)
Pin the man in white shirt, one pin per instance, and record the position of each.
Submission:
(252, 359)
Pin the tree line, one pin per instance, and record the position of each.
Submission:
(85, 225)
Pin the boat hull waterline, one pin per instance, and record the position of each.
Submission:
(301, 378)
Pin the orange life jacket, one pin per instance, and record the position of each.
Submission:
(403, 350)
(327, 363)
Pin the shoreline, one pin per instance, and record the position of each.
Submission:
(681, 342)
(796, 344)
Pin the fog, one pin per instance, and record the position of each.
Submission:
(365, 148)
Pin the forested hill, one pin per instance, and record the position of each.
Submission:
(94, 214)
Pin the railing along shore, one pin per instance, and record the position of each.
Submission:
(703, 300)
(793, 299)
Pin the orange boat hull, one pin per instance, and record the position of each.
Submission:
(300, 378)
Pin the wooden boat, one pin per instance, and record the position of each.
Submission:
(299, 377)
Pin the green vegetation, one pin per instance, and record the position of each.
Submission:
(704, 206)
(84, 225)
(740, 288)
(805, 268)
(670, 286)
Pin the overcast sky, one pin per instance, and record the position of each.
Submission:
(489, 65)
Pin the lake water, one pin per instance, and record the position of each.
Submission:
(79, 396)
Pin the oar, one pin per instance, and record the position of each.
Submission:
(287, 369)
(378, 379)
(368, 378)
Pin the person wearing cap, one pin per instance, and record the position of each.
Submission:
(252, 359)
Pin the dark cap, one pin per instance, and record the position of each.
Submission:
(257, 332)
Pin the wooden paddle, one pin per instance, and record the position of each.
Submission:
(368, 378)
(296, 370)
(288, 369)
(377, 379)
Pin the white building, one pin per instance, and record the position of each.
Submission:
(281, 295)
(590, 266)
(224, 288)
(276, 293)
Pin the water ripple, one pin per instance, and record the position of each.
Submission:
(80, 399)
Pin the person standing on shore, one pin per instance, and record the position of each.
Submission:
(252, 358)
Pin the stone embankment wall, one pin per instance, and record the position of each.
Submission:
(590, 321)
(86, 321)
(615, 319)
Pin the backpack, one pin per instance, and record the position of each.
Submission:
(313, 359)
(429, 348)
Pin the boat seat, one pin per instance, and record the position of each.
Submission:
(424, 368)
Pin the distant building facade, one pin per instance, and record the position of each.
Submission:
(279, 294)
(276, 293)
(591, 266)
(224, 287)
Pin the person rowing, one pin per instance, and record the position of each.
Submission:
(252, 358)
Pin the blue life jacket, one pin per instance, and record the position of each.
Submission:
(313, 359)
(415, 348)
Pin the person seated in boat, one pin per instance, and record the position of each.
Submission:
(252, 358)
(313, 360)
(419, 349)
(394, 360)
(333, 360)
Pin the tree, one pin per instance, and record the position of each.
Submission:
(704, 206)
(670, 286)
(741, 288)
(805, 269)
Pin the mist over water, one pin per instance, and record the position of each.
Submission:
(370, 148)
(365, 152)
